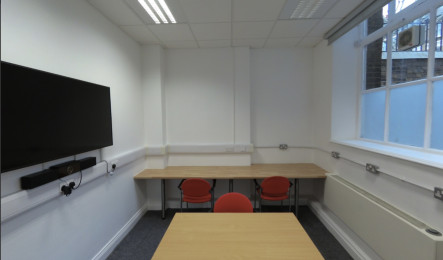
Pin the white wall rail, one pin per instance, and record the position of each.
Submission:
(19, 202)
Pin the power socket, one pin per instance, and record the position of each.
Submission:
(372, 168)
(66, 183)
(438, 193)
(67, 187)
(113, 165)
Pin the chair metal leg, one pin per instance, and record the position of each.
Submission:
(259, 204)
(255, 198)
(181, 201)
(212, 201)
(289, 197)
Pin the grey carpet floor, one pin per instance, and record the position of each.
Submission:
(143, 239)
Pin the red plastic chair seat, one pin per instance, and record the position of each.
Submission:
(275, 188)
(233, 202)
(265, 197)
(195, 190)
(198, 199)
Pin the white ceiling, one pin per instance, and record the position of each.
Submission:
(225, 23)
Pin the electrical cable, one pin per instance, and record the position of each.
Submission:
(81, 178)
(113, 166)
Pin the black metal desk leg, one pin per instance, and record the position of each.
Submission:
(296, 192)
(163, 197)
(231, 185)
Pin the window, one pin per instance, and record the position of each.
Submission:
(402, 87)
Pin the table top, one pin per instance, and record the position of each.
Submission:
(236, 236)
(255, 171)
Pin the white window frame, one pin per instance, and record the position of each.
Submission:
(409, 14)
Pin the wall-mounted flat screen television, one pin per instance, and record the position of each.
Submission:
(45, 116)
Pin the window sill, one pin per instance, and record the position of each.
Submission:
(425, 158)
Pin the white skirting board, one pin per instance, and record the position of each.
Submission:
(391, 233)
(118, 237)
(356, 247)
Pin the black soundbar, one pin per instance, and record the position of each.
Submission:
(55, 172)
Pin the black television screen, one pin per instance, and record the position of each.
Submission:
(45, 116)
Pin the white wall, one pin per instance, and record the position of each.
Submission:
(281, 111)
(232, 96)
(281, 83)
(337, 91)
(72, 39)
(200, 96)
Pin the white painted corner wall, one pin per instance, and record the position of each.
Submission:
(214, 102)
(335, 116)
(73, 39)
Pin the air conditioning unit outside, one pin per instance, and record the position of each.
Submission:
(412, 37)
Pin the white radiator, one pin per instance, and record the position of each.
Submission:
(389, 231)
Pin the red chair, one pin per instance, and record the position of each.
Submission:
(233, 202)
(196, 190)
(275, 188)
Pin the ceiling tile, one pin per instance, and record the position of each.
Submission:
(281, 42)
(180, 44)
(293, 28)
(211, 31)
(206, 11)
(257, 10)
(247, 30)
(214, 44)
(141, 34)
(172, 32)
(309, 42)
(117, 11)
(342, 8)
(322, 27)
(253, 43)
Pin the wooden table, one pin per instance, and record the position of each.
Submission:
(236, 236)
(294, 171)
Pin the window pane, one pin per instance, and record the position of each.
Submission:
(438, 71)
(437, 117)
(373, 115)
(402, 4)
(375, 64)
(378, 20)
(407, 115)
(410, 51)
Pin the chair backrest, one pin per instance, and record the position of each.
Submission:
(275, 186)
(195, 187)
(233, 202)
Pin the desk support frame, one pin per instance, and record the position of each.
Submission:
(295, 171)
(296, 196)
(163, 191)
(231, 188)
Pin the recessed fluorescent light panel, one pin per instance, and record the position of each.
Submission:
(160, 9)
(306, 9)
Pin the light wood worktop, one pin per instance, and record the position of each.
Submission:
(255, 171)
(236, 236)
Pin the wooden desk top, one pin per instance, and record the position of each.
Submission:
(236, 236)
(255, 171)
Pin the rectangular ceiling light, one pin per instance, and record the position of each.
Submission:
(149, 11)
(167, 11)
(306, 8)
(158, 11)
